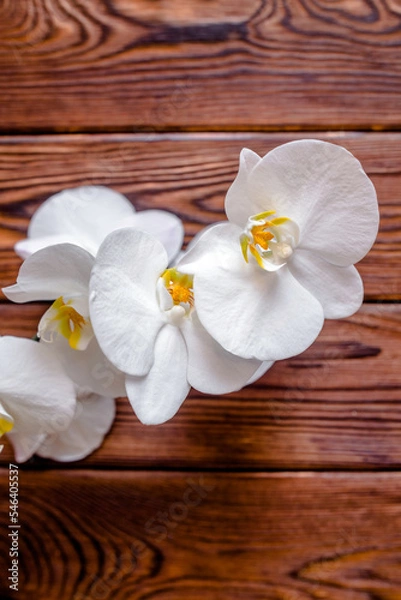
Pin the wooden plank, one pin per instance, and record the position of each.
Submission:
(173, 536)
(99, 65)
(336, 406)
(188, 174)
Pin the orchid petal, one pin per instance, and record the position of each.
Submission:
(211, 369)
(338, 289)
(251, 312)
(216, 242)
(163, 296)
(50, 273)
(24, 248)
(85, 215)
(94, 415)
(323, 188)
(90, 369)
(124, 310)
(193, 242)
(25, 444)
(34, 389)
(238, 202)
(157, 397)
(164, 226)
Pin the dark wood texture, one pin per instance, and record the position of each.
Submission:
(335, 406)
(291, 488)
(188, 174)
(180, 536)
(110, 65)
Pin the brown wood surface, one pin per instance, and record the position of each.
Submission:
(195, 535)
(334, 406)
(188, 174)
(110, 65)
(291, 488)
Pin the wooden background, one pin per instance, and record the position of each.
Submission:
(291, 488)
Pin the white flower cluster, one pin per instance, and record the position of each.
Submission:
(128, 318)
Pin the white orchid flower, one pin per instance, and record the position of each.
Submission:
(41, 410)
(144, 317)
(62, 273)
(36, 396)
(299, 218)
(85, 215)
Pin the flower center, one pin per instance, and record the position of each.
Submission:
(180, 287)
(270, 242)
(175, 295)
(63, 318)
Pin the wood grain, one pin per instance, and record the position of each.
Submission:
(291, 488)
(118, 535)
(123, 65)
(188, 174)
(337, 406)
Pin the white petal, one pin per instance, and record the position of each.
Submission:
(165, 226)
(86, 215)
(211, 369)
(93, 418)
(25, 444)
(338, 289)
(34, 388)
(264, 367)
(28, 246)
(90, 369)
(124, 310)
(137, 254)
(254, 313)
(323, 188)
(52, 272)
(157, 396)
(193, 242)
(238, 202)
(164, 298)
(215, 243)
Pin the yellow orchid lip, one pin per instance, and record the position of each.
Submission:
(269, 241)
(5, 425)
(64, 319)
(180, 287)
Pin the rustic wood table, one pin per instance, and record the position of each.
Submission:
(291, 488)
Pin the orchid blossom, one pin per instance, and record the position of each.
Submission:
(63, 238)
(85, 215)
(42, 411)
(299, 218)
(144, 317)
(36, 396)
(61, 273)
